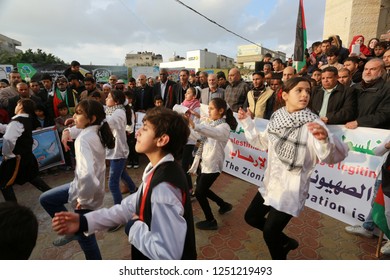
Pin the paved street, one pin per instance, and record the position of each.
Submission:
(320, 237)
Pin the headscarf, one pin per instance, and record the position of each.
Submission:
(363, 48)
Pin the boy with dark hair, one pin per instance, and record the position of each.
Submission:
(60, 125)
(161, 209)
(18, 231)
(158, 101)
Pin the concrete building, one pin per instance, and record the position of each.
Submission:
(200, 59)
(247, 55)
(143, 59)
(9, 45)
(348, 18)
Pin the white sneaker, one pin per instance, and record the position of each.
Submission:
(385, 250)
(359, 230)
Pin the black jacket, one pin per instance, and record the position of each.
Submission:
(143, 98)
(167, 94)
(342, 105)
(374, 105)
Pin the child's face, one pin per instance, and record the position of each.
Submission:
(316, 76)
(189, 96)
(18, 108)
(106, 90)
(158, 103)
(63, 111)
(298, 97)
(146, 139)
(359, 41)
(110, 101)
(214, 113)
(39, 113)
(129, 100)
(81, 119)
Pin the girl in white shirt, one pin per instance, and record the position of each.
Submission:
(86, 192)
(296, 139)
(118, 118)
(215, 134)
(193, 112)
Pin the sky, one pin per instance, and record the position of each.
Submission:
(102, 32)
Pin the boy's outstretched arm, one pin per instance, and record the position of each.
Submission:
(66, 222)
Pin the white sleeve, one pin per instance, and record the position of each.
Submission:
(331, 150)
(74, 131)
(3, 127)
(219, 132)
(166, 236)
(381, 149)
(118, 214)
(13, 132)
(255, 138)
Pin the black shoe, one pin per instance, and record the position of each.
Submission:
(225, 208)
(115, 228)
(291, 244)
(207, 225)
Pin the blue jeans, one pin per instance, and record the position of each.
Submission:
(54, 201)
(117, 172)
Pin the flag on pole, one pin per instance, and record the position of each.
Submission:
(300, 38)
(381, 207)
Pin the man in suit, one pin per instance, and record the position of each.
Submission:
(164, 88)
(143, 95)
(212, 91)
(180, 88)
(333, 102)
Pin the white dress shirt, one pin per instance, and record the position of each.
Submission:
(87, 187)
(165, 238)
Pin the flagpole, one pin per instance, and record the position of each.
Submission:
(379, 245)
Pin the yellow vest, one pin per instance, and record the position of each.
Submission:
(258, 107)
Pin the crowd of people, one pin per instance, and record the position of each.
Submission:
(337, 85)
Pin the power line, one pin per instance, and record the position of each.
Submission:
(214, 22)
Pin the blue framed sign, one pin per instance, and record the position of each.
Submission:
(46, 148)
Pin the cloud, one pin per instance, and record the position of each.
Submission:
(103, 31)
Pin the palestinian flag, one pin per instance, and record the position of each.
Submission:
(300, 38)
(381, 207)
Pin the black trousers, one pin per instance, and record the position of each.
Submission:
(9, 194)
(203, 192)
(133, 157)
(272, 226)
(186, 162)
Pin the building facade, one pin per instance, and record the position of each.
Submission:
(247, 55)
(143, 59)
(200, 59)
(348, 18)
(9, 45)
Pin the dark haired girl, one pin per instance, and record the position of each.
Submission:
(86, 192)
(215, 135)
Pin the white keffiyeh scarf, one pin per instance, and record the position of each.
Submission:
(110, 110)
(285, 134)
